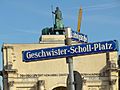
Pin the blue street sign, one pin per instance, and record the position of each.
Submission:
(73, 50)
(79, 37)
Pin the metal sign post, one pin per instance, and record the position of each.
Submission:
(69, 60)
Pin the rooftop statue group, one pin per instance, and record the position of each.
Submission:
(58, 24)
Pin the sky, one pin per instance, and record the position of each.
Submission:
(21, 21)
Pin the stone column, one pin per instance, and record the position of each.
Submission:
(84, 84)
(113, 70)
(41, 85)
(5, 81)
(11, 85)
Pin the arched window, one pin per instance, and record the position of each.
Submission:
(60, 88)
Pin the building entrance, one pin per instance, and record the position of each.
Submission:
(60, 88)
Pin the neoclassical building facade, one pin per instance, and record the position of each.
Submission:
(91, 72)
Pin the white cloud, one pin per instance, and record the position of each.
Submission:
(102, 6)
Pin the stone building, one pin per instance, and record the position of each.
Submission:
(92, 72)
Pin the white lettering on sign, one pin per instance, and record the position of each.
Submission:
(102, 46)
(78, 49)
(73, 50)
(79, 36)
(46, 53)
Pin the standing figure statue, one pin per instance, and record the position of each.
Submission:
(58, 19)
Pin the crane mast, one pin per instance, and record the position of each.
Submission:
(79, 19)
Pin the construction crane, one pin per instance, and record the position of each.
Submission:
(79, 19)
